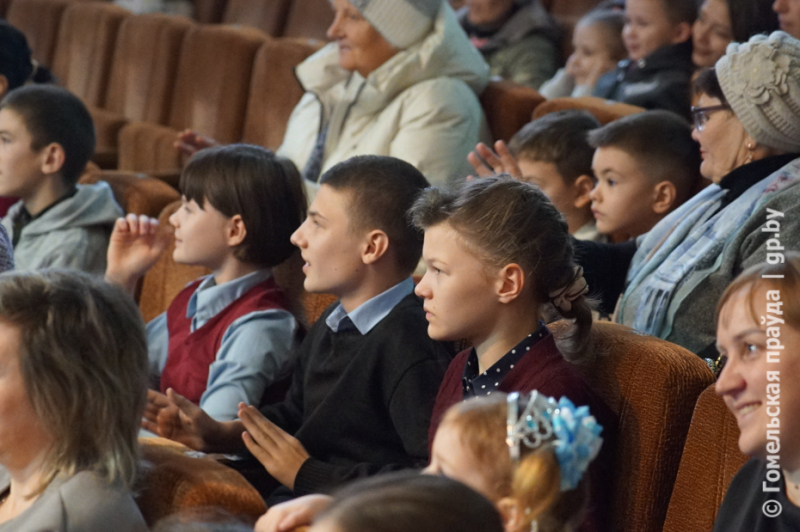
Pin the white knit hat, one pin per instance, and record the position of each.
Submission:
(761, 81)
(401, 22)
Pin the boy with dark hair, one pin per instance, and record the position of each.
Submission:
(47, 137)
(367, 373)
(226, 338)
(646, 165)
(553, 154)
(658, 71)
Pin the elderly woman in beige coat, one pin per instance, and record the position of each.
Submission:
(401, 79)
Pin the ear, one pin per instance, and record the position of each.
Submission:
(665, 194)
(582, 187)
(510, 282)
(236, 231)
(511, 513)
(3, 85)
(682, 33)
(53, 158)
(377, 243)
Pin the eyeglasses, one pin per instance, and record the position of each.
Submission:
(700, 115)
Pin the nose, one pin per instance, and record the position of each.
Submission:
(297, 237)
(696, 134)
(730, 380)
(779, 6)
(594, 195)
(422, 289)
(335, 29)
(173, 219)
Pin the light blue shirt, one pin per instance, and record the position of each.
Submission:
(371, 312)
(254, 352)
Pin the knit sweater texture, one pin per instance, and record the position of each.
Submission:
(361, 405)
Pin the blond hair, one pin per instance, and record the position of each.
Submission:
(83, 360)
(534, 481)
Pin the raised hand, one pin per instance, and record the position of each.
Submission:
(488, 162)
(280, 453)
(135, 245)
(189, 142)
(289, 515)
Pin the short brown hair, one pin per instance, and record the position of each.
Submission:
(661, 143)
(264, 189)
(381, 189)
(679, 11)
(403, 501)
(558, 138)
(54, 115)
(507, 221)
(83, 359)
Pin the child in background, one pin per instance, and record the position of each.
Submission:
(646, 165)
(226, 338)
(47, 138)
(498, 256)
(554, 154)
(366, 375)
(538, 487)
(406, 501)
(658, 71)
(598, 45)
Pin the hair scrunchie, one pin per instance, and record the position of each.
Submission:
(563, 297)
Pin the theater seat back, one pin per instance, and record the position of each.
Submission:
(604, 110)
(39, 21)
(711, 458)
(652, 386)
(508, 106)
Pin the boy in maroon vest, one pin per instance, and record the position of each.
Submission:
(226, 338)
(367, 373)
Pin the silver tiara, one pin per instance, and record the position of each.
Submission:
(533, 425)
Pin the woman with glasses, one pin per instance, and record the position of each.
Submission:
(747, 123)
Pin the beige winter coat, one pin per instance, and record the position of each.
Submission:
(420, 106)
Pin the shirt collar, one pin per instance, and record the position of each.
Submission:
(368, 314)
(474, 384)
(210, 298)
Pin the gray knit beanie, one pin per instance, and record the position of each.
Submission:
(401, 22)
(761, 81)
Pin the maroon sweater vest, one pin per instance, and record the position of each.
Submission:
(191, 353)
(543, 368)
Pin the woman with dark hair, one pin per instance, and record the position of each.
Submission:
(721, 22)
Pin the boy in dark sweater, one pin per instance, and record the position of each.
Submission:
(658, 71)
(367, 374)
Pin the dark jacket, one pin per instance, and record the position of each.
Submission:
(527, 47)
(662, 80)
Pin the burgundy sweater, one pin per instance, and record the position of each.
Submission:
(543, 368)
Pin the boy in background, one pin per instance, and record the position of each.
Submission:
(646, 165)
(658, 71)
(46, 139)
(553, 153)
(367, 373)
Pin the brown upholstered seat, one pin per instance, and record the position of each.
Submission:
(209, 11)
(652, 386)
(209, 96)
(309, 18)
(274, 90)
(268, 16)
(39, 21)
(605, 110)
(711, 458)
(508, 106)
(86, 40)
(141, 80)
(135, 193)
(172, 478)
